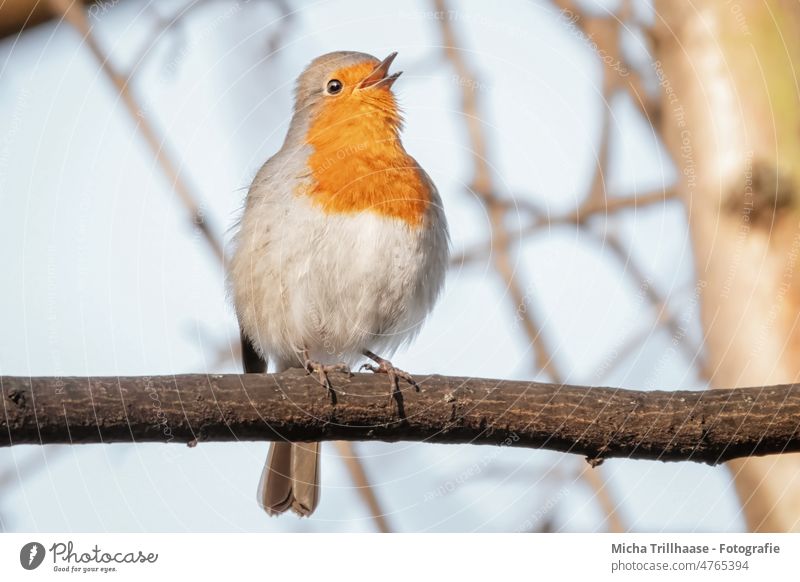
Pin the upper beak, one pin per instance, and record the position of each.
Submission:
(379, 76)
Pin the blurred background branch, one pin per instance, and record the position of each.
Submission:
(19, 15)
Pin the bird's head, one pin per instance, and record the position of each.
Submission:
(347, 117)
(346, 90)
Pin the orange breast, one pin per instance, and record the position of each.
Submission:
(358, 163)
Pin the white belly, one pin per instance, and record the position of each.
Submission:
(335, 284)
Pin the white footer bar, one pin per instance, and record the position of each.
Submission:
(400, 557)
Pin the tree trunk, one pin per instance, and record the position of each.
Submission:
(731, 120)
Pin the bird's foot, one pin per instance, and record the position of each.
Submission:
(322, 371)
(386, 367)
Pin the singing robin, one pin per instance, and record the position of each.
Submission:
(341, 249)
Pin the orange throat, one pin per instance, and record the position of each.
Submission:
(359, 165)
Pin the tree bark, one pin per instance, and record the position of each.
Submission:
(702, 426)
(731, 119)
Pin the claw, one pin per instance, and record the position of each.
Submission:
(386, 367)
(322, 371)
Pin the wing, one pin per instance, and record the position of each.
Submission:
(269, 193)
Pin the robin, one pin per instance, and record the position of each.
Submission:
(341, 249)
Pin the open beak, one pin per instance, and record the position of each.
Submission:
(380, 77)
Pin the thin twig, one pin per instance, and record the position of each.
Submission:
(482, 185)
(657, 301)
(603, 497)
(75, 15)
(604, 32)
(587, 210)
(362, 484)
(160, 28)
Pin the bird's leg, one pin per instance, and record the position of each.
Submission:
(386, 367)
(322, 371)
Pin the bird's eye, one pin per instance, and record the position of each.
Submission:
(334, 86)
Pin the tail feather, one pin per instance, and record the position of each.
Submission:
(290, 479)
(275, 486)
(305, 478)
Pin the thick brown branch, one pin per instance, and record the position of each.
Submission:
(703, 426)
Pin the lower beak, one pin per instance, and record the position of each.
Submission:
(379, 77)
